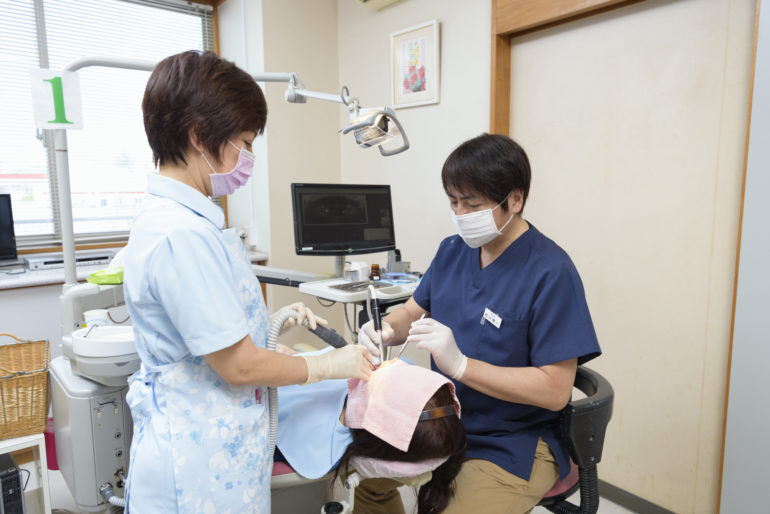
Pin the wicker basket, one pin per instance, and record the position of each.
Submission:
(23, 386)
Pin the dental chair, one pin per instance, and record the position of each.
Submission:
(294, 494)
(582, 425)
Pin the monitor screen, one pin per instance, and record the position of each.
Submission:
(7, 235)
(341, 219)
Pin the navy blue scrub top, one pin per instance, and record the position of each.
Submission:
(536, 291)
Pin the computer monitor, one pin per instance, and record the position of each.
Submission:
(342, 219)
(7, 234)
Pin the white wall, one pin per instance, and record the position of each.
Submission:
(634, 121)
(32, 313)
(241, 41)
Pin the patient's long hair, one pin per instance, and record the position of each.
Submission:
(440, 437)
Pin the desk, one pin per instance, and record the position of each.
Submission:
(37, 500)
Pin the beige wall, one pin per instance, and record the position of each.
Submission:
(634, 121)
(303, 144)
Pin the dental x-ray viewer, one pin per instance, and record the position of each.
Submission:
(200, 323)
(505, 317)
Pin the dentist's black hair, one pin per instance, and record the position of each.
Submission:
(490, 165)
(202, 94)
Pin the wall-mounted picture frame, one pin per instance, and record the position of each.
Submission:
(414, 67)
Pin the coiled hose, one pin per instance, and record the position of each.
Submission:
(272, 392)
(328, 335)
(589, 497)
(109, 494)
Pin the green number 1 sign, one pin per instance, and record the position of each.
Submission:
(56, 99)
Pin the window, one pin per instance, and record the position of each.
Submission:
(109, 159)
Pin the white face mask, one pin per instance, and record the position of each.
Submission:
(478, 228)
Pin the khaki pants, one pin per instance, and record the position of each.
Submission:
(378, 496)
(481, 488)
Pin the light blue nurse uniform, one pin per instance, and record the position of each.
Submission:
(200, 445)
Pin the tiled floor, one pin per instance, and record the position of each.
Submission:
(63, 503)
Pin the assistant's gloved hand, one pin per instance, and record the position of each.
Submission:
(351, 361)
(303, 312)
(429, 334)
(368, 338)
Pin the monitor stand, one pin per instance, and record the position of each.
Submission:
(339, 266)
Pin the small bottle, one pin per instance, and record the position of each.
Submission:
(375, 273)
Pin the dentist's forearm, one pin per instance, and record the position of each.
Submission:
(549, 386)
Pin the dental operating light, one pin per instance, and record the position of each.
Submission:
(370, 127)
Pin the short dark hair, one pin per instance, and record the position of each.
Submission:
(199, 91)
(491, 165)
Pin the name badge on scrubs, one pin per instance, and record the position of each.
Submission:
(492, 318)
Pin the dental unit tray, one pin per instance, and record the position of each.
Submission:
(337, 290)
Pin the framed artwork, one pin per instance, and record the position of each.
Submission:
(414, 65)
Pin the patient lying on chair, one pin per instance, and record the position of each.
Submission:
(402, 424)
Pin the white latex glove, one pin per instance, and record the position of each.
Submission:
(303, 312)
(351, 361)
(369, 338)
(429, 334)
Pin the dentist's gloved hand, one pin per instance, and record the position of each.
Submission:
(367, 337)
(429, 334)
(303, 312)
(351, 361)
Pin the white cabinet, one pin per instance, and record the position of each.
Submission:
(37, 500)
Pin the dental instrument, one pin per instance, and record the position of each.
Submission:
(407, 341)
(373, 309)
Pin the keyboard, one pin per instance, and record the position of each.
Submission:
(353, 287)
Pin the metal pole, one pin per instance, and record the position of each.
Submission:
(65, 208)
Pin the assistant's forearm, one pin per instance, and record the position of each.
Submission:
(548, 386)
(244, 364)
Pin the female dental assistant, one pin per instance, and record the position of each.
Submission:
(507, 319)
(200, 322)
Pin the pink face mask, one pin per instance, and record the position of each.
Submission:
(227, 183)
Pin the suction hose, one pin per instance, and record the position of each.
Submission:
(589, 498)
(328, 335)
(109, 495)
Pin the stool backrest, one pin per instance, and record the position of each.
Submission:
(583, 422)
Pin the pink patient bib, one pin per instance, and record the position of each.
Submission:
(390, 403)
